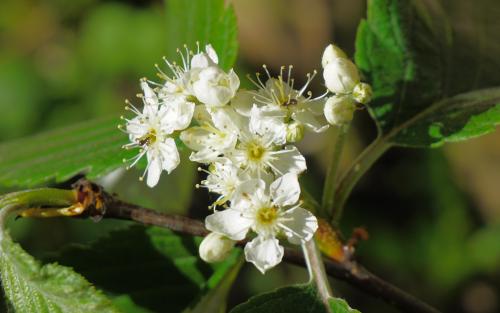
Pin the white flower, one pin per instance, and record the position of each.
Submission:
(341, 75)
(277, 104)
(223, 178)
(258, 156)
(205, 59)
(215, 248)
(216, 134)
(150, 131)
(331, 53)
(214, 87)
(339, 109)
(268, 214)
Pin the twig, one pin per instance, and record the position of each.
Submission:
(350, 272)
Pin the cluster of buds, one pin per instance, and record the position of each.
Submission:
(342, 78)
(244, 142)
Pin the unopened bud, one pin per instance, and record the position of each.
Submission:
(215, 248)
(294, 132)
(341, 75)
(331, 53)
(339, 109)
(362, 93)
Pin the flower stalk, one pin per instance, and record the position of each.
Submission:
(317, 272)
(328, 198)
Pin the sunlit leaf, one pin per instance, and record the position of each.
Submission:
(414, 58)
(214, 22)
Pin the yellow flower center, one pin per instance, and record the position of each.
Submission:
(267, 215)
(255, 151)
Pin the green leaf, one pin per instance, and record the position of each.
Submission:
(51, 288)
(340, 306)
(151, 270)
(214, 22)
(92, 147)
(30, 286)
(298, 298)
(410, 55)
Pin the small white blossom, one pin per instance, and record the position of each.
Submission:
(258, 156)
(214, 87)
(223, 178)
(215, 248)
(331, 53)
(277, 104)
(216, 134)
(339, 109)
(341, 75)
(268, 213)
(150, 131)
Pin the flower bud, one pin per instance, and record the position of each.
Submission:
(341, 75)
(215, 248)
(213, 87)
(362, 93)
(294, 132)
(339, 109)
(331, 53)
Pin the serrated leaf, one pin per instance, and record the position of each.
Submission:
(148, 269)
(203, 21)
(51, 288)
(298, 298)
(409, 53)
(92, 147)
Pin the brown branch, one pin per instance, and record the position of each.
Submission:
(351, 272)
(99, 204)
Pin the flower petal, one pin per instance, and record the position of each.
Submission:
(264, 253)
(298, 224)
(289, 160)
(247, 194)
(285, 190)
(310, 121)
(169, 154)
(230, 223)
(154, 169)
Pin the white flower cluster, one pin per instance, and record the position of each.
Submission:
(245, 139)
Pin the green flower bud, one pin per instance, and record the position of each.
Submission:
(294, 132)
(339, 109)
(362, 93)
(215, 248)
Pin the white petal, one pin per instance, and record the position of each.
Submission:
(341, 75)
(154, 170)
(298, 224)
(194, 138)
(289, 160)
(150, 97)
(230, 223)
(169, 154)
(243, 102)
(264, 253)
(182, 114)
(247, 194)
(285, 190)
(310, 121)
(211, 53)
(331, 53)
